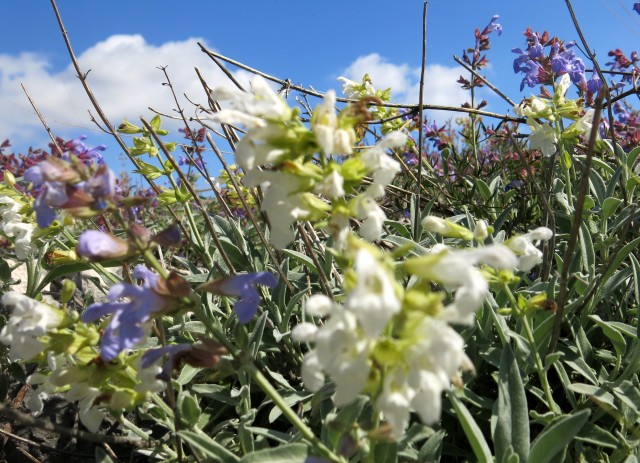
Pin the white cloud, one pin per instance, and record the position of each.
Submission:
(440, 86)
(124, 77)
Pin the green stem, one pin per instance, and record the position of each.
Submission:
(542, 374)
(140, 433)
(268, 389)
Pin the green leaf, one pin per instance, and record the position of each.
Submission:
(301, 258)
(597, 394)
(101, 456)
(557, 436)
(210, 448)
(5, 271)
(595, 435)
(587, 252)
(610, 206)
(632, 156)
(512, 427)
(189, 408)
(432, 449)
(290, 453)
(471, 430)
(619, 344)
(58, 272)
(385, 452)
(484, 189)
(620, 257)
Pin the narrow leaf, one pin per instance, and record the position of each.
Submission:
(557, 436)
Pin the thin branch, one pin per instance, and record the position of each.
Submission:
(110, 128)
(44, 123)
(423, 68)
(194, 194)
(484, 80)
(575, 227)
(289, 85)
(28, 420)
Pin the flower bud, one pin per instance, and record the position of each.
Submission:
(9, 179)
(96, 245)
(68, 288)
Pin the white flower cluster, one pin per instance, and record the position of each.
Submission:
(398, 344)
(29, 320)
(277, 154)
(11, 225)
(59, 377)
(343, 345)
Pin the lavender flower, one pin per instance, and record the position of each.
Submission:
(132, 306)
(244, 287)
(594, 84)
(567, 62)
(97, 245)
(493, 26)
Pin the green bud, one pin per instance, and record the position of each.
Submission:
(68, 289)
(446, 228)
(128, 128)
(9, 179)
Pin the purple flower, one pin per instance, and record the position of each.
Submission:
(52, 194)
(594, 84)
(636, 7)
(532, 70)
(97, 245)
(534, 51)
(567, 62)
(244, 287)
(131, 307)
(493, 26)
(59, 185)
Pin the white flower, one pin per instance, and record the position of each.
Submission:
(395, 401)
(380, 164)
(29, 320)
(373, 300)
(562, 85)
(12, 225)
(281, 202)
(324, 123)
(585, 123)
(332, 186)
(343, 351)
(311, 372)
(373, 215)
(318, 305)
(254, 150)
(535, 107)
(350, 88)
(542, 137)
(148, 381)
(433, 359)
(456, 271)
(304, 332)
(339, 229)
(263, 102)
(85, 395)
(481, 232)
(528, 254)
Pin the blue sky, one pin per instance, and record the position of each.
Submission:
(309, 42)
